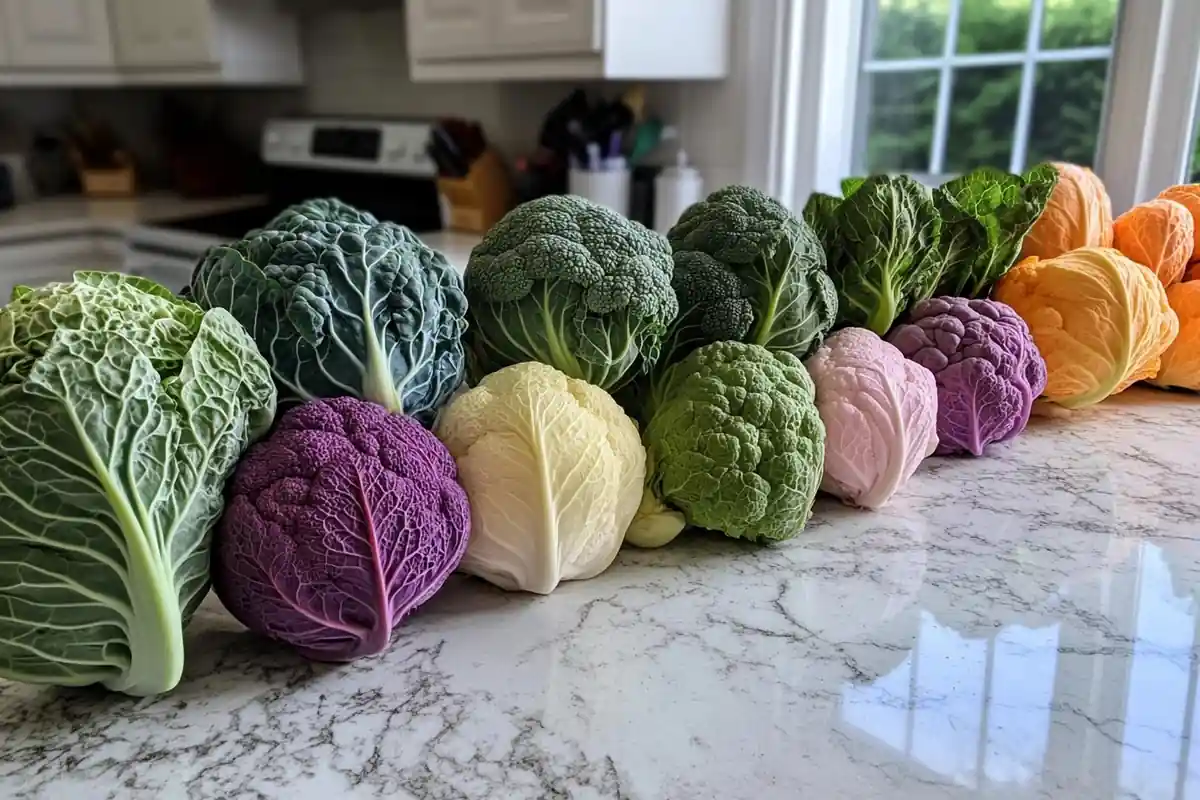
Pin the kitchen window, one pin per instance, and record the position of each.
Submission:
(935, 88)
(1194, 168)
(950, 85)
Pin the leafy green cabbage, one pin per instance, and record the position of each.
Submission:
(122, 411)
(341, 304)
(891, 242)
(881, 241)
(986, 215)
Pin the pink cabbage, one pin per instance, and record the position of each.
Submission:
(340, 524)
(880, 415)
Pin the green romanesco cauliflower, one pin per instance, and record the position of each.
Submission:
(736, 446)
(572, 284)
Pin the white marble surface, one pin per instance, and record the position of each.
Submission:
(1018, 626)
(455, 246)
(71, 214)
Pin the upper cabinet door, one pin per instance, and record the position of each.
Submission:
(5, 55)
(163, 33)
(548, 26)
(57, 33)
(447, 28)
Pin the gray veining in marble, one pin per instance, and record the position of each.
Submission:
(1018, 626)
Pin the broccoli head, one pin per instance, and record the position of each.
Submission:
(747, 269)
(572, 284)
(736, 446)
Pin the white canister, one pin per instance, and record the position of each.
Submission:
(675, 189)
(606, 187)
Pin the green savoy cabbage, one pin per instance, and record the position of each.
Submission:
(572, 284)
(122, 411)
(986, 215)
(882, 241)
(341, 304)
(736, 446)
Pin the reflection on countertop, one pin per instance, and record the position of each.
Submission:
(1017, 626)
(1065, 709)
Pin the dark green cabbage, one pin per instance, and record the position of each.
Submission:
(341, 304)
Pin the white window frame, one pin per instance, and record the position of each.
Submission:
(1145, 136)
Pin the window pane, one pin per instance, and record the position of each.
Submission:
(1078, 23)
(899, 121)
(907, 28)
(1060, 120)
(993, 26)
(1068, 100)
(982, 113)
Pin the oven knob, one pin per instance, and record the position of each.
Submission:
(398, 153)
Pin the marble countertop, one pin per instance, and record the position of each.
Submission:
(455, 246)
(54, 216)
(1018, 626)
(76, 215)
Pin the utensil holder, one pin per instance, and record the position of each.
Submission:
(609, 188)
(477, 201)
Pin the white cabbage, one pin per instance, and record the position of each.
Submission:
(554, 471)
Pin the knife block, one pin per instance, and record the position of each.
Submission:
(116, 181)
(478, 200)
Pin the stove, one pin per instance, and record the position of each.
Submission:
(380, 166)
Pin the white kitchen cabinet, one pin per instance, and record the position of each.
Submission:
(5, 50)
(450, 27)
(224, 41)
(457, 40)
(163, 33)
(155, 42)
(534, 27)
(57, 34)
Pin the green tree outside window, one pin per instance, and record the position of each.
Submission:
(1068, 96)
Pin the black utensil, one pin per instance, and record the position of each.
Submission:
(451, 158)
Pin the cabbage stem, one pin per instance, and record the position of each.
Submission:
(155, 626)
(378, 386)
(655, 524)
(881, 319)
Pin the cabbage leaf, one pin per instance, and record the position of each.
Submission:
(986, 215)
(343, 308)
(122, 411)
(881, 240)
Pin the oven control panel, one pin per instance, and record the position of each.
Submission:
(387, 147)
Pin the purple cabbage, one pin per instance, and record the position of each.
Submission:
(987, 368)
(340, 524)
